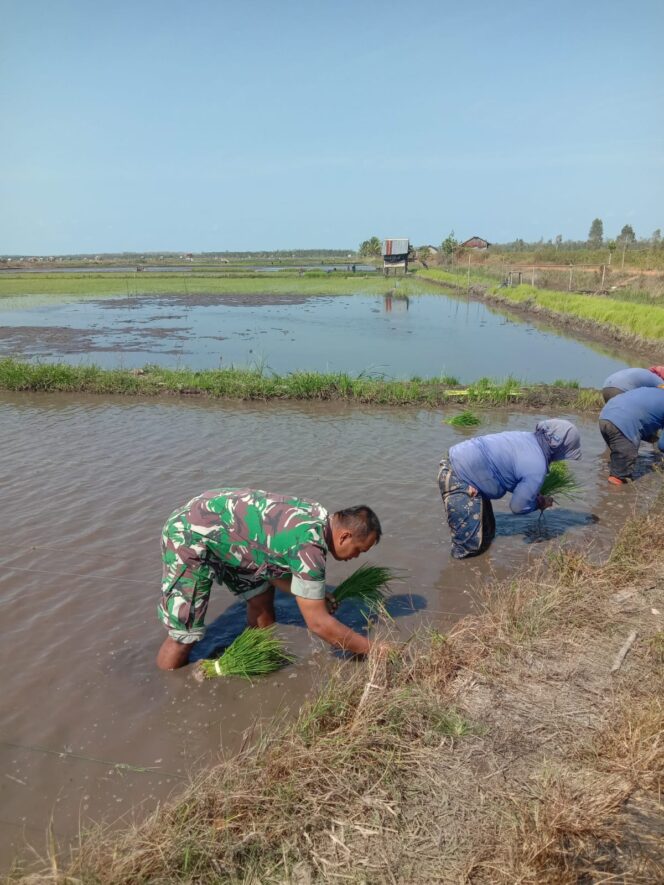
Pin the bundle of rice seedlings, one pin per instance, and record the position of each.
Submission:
(368, 585)
(255, 652)
(560, 481)
(464, 419)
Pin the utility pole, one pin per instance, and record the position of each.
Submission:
(571, 271)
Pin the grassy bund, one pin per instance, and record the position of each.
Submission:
(523, 746)
(621, 319)
(255, 384)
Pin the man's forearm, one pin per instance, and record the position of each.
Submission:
(339, 635)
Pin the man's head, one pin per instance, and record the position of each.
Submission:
(353, 531)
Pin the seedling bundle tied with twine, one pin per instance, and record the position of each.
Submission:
(258, 651)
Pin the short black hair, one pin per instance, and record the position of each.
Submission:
(361, 520)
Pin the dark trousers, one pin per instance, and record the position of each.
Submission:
(470, 517)
(609, 392)
(623, 451)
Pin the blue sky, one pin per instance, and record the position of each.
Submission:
(204, 126)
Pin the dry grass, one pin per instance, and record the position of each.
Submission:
(503, 752)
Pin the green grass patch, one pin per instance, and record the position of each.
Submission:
(588, 399)
(258, 384)
(457, 276)
(488, 390)
(630, 313)
(639, 320)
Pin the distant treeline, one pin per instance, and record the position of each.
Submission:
(133, 257)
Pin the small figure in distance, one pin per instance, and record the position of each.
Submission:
(485, 468)
(631, 379)
(625, 422)
(254, 542)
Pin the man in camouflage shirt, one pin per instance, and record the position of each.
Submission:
(254, 541)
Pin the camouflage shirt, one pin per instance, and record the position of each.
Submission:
(263, 534)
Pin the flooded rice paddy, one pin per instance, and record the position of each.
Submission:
(91, 730)
(390, 335)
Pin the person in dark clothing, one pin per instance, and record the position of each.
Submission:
(631, 379)
(482, 469)
(625, 422)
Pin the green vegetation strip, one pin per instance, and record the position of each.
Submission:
(255, 384)
(641, 321)
(195, 283)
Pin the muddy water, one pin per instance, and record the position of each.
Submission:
(86, 488)
(426, 335)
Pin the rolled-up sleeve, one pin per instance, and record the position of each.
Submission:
(300, 586)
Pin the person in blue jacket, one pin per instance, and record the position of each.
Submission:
(626, 421)
(629, 379)
(482, 469)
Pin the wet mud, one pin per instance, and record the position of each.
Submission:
(91, 729)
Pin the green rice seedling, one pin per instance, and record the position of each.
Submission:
(560, 481)
(464, 419)
(255, 652)
(368, 585)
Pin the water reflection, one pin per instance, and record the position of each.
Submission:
(405, 336)
(396, 301)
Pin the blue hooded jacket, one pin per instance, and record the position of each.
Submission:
(515, 461)
(638, 414)
(631, 379)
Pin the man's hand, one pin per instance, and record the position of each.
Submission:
(331, 603)
(472, 491)
(544, 501)
(325, 625)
